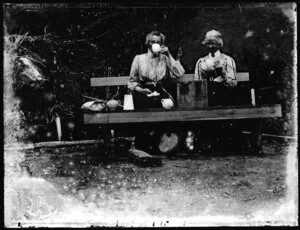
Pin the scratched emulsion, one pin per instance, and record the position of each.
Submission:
(210, 191)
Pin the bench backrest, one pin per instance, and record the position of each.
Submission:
(119, 81)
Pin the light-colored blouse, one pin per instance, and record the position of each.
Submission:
(225, 65)
(147, 68)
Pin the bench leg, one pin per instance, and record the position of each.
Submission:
(256, 137)
(108, 141)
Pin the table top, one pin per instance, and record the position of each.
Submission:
(161, 115)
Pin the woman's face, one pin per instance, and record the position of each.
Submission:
(211, 48)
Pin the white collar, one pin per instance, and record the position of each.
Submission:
(217, 54)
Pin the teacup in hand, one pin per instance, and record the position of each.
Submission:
(156, 48)
(209, 64)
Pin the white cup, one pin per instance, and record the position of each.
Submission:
(209, 63)
(156, 48)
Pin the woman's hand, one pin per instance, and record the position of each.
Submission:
(209, 64)
(219, 79)
(143, 90)
(179, 53)
(146, 91)
(164, 49)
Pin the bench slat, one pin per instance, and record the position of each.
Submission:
(115, 81)
(109, 81)
(242, 76)
(185, 115)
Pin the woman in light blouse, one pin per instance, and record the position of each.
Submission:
(216, 66)
(150, 72)
(218, 69)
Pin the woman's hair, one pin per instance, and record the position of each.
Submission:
(155, 33)
(213, 37)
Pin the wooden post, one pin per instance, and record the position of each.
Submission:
(58, 128)
(256, 136)
(111, 143)
(201, 98)
(253, 97)
(106, 139)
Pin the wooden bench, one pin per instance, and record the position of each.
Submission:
(186, 110)
(191, 106)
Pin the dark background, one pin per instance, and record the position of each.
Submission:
(96, 40)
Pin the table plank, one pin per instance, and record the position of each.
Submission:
(184, 115)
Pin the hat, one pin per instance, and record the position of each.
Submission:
(213, 37)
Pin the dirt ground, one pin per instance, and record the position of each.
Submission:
(240, 186)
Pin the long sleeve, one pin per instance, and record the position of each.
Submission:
(198, 76)
(134, 74)
(175, 67)
(229, 73)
